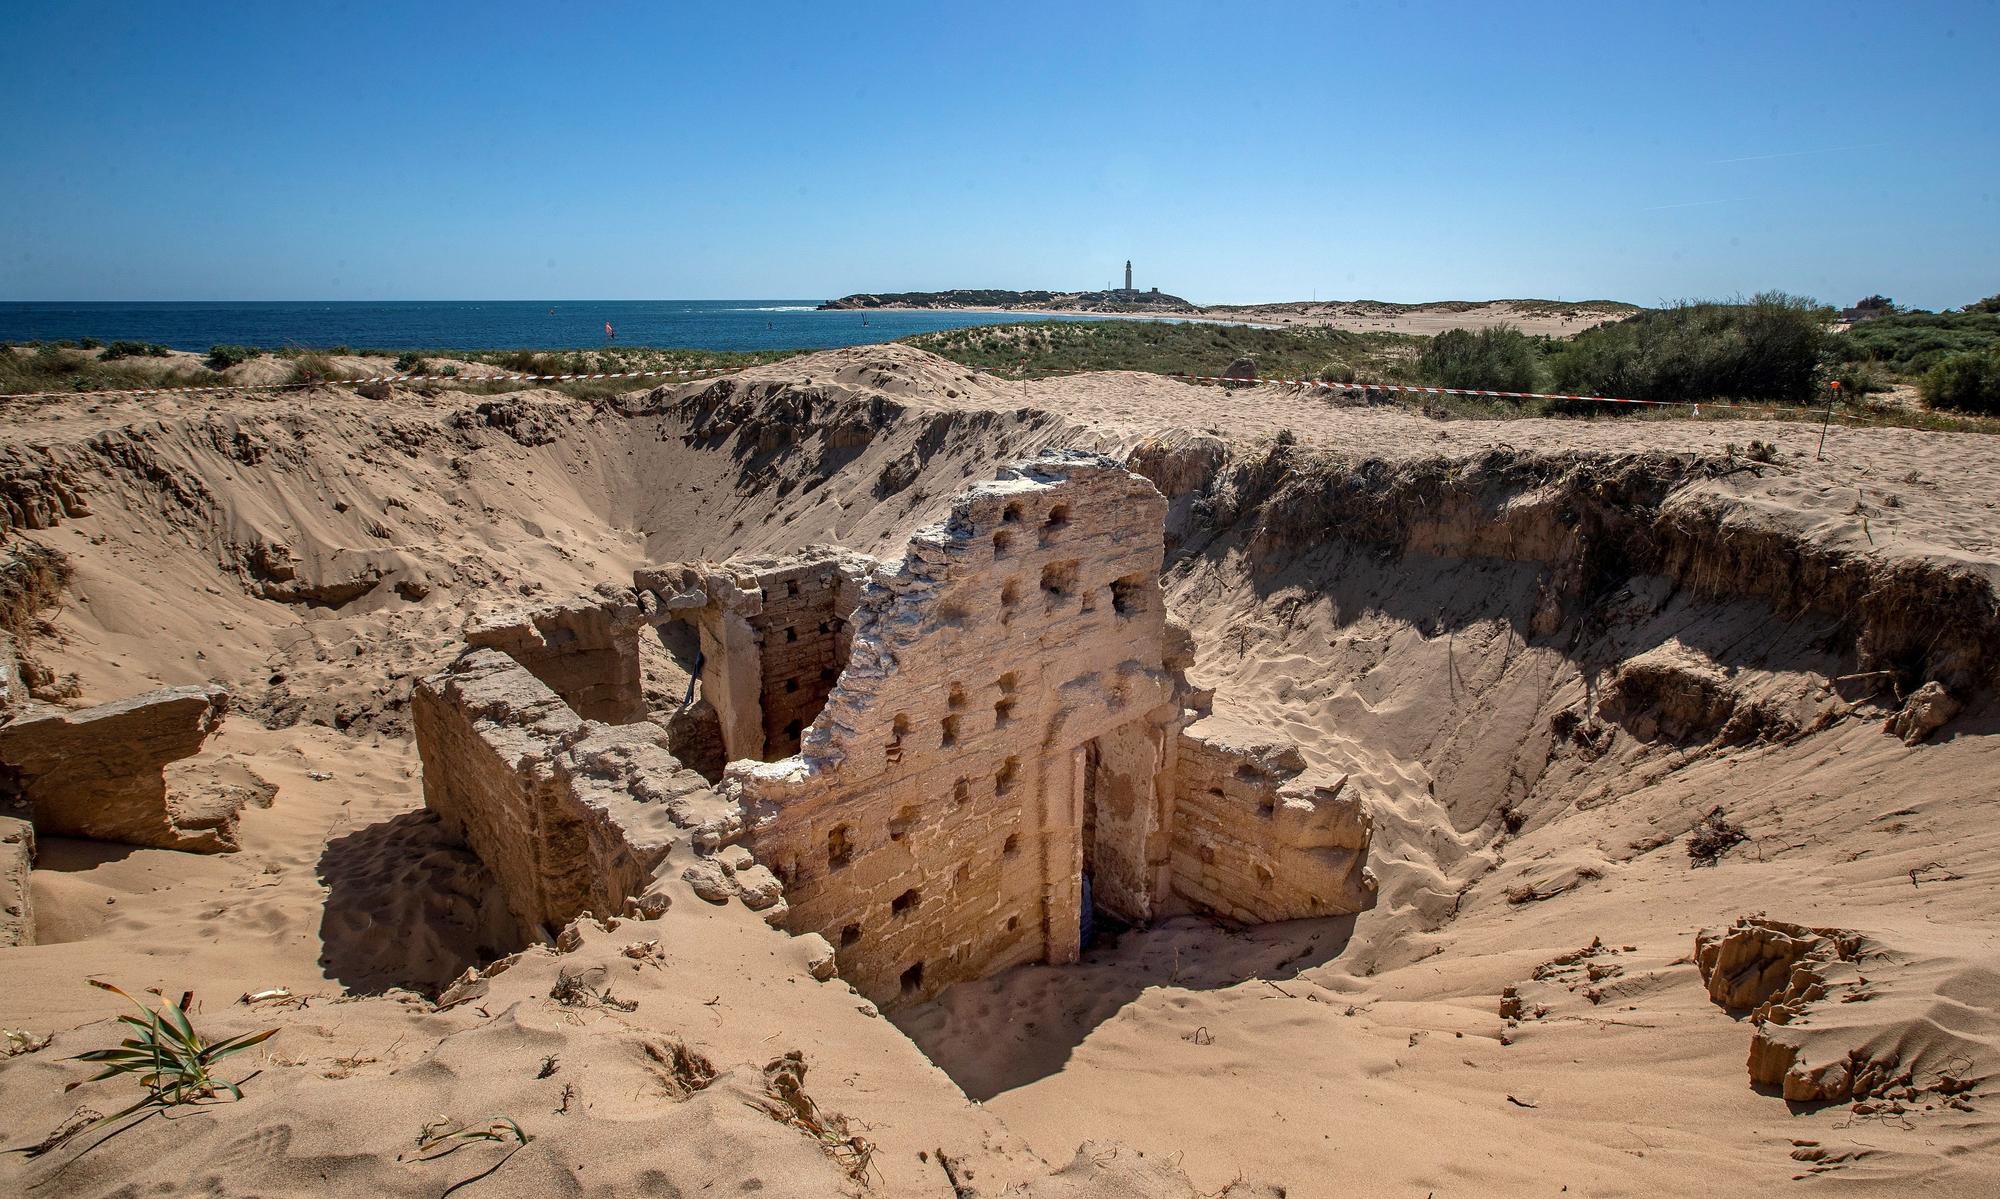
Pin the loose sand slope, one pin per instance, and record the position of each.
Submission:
(1450, 613)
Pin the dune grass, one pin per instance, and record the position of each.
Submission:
(50, 367)
(162, 1052)
(1038, 349)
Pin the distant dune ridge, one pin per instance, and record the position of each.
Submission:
(1122, 299)
(1555, 318)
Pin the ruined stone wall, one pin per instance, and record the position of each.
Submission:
(586, 650)
(17, 901)
(571, 815)
(1012, 719)
(803, 640)
(932, 825)
(774, 637)
(1257, 839)
(100, 772)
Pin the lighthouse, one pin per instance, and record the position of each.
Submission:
(1128, 274)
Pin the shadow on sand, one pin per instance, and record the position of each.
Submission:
(406, 906)
(1021, 1025)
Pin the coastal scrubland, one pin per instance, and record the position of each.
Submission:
(1920, 369)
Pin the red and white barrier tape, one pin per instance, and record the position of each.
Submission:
(448, 380)
(1697, 405)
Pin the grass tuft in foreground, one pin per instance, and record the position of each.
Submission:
(174, 1063)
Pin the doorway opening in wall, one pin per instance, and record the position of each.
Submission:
(670, 671)
(1099, 922)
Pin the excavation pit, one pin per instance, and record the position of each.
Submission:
(939, 781)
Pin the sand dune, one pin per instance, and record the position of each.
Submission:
(1543, 649)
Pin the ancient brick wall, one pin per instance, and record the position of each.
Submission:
(1008, 668)
(586, 650)
(1257, 838)
(774, 637)
(803, 638)
(571, 815)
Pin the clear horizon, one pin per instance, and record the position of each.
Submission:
(1426, 152)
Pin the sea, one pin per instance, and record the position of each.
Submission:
(479, 324)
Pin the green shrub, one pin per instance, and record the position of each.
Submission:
(410, 363)
(1968, 382)
(1911, 343)
(1989, 304)
(1499, 359)
(89, 343)
(221, 358)
(133, 349)
(1858, 379)
(1767, 349)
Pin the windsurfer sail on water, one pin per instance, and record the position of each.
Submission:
(610, 334)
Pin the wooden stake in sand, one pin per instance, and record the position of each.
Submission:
(1832, 394)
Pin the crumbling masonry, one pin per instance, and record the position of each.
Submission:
(942, 763)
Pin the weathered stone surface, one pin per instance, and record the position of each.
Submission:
(1753, 962)
(100, 772)
(1929, 708)
(1257, 838)
(758, 888)
(709, 880)
(571, 815)
(1671, 691)
(586, 650)
(819, 956)
(694, 735)
(1777, 971)
(17, 858)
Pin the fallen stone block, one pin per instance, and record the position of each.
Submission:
(1757, 962)
(820, 961)
(1929, 708)
(100, 773)
(709, 880)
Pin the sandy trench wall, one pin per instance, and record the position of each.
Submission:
(931, 827)
(571, 815)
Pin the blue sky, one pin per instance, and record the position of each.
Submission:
(1235, 151)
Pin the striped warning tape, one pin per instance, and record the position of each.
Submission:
(438, 379)
(1696, 405)
(690, 372)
